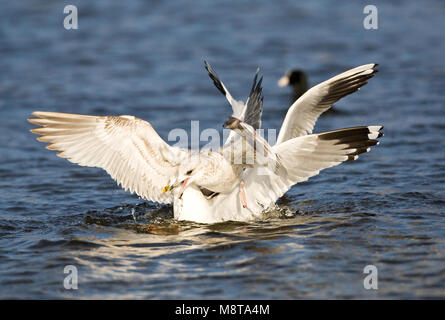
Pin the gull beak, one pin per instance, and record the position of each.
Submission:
(284, 81)
(185, 183)
(167, 188)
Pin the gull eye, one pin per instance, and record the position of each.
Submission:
(189, 172)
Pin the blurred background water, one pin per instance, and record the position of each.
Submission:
(145, 58)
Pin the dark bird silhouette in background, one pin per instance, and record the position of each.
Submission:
(297, 80)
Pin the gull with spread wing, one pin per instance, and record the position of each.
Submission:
(205, 186)
(244, 147)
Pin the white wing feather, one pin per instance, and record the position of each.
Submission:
(304, 157)
(302, 115)
(128, 148)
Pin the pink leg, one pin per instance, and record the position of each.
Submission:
(242, 194)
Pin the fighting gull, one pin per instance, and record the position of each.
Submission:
(207, 186)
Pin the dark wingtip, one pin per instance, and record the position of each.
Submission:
(208, 67)
(214, 77)
(260, 83)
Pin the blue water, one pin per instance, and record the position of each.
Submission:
(145, 58)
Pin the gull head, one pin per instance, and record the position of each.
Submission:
(188, 172)
(232, 123)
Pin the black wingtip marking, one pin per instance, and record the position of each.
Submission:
(345, 86)
(254, 81)
(343, 133)
(356, 140)
(214, 77)
(348, 134)
(255, 102)
(256, 90)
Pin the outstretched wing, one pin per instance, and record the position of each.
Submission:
(237, 106)
(251, 111)
(302, 115)
(304, 157)
(128, 148)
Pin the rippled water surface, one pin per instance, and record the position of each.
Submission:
(145, 58)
